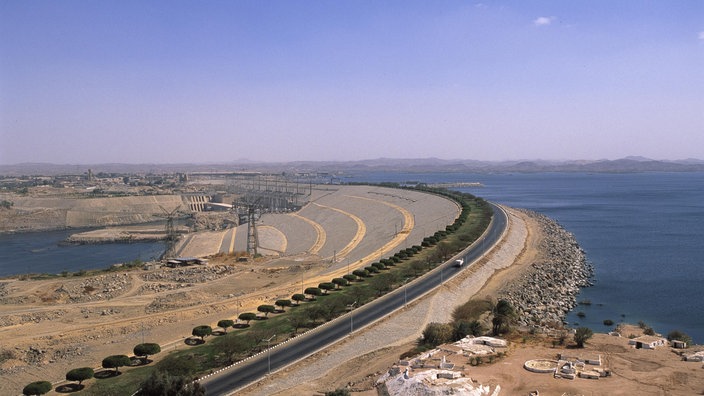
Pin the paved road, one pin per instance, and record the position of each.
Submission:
(282, 355)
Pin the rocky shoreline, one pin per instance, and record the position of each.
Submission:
(548, 290)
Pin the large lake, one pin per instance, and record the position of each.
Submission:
(644, 234)
(41, 252)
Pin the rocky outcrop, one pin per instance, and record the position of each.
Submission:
(41, 213)
(548, 290)
(432, 383)
(199, 274)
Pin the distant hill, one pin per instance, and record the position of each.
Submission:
(624, 165)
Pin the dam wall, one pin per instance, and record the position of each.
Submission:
(38, 214)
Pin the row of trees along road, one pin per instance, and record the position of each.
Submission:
(351, 290)
(355, 289)
(141, 351)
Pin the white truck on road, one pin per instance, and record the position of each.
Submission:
(459, 263)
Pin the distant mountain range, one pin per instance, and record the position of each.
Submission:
(623, 165)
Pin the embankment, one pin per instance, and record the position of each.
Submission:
(42, 214)
(546, 291)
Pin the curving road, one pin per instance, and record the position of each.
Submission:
(251, 370)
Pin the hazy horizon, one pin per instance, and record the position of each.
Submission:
(150, 82)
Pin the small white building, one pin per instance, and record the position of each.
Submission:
(647, 342)
(678, 344)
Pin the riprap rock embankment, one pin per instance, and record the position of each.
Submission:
(548, 290)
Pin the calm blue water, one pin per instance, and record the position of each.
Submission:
(644, 234)
(40, 252)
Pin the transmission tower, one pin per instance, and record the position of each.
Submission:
(250, 210)
(252, 238)
(170, 231)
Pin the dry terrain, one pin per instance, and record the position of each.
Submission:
(358, 361)
(48, 327)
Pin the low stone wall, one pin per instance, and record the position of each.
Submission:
(548, 290)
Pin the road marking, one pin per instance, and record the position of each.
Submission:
(321, 236)
(358, 236)
(232, 241)
(283, 237)
(408, 224)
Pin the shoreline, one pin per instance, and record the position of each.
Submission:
(547, 291)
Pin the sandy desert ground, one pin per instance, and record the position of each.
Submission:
(51, 326)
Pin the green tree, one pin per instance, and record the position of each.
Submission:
(266, 309)
(472, 310)
(382, 282)
(435, 334)
(503, 314)
(297, 320)
(247, 317)
(234, 347)
(37, 388)
(417, 267)
(676, 335)
(339, 282)
(178, 365)
(314, 312)
(333, 306)
(202, 331)
(349, 277)
(116, 361)
(372, 270)
(161, 383)
(80, 374)
(582, 335)
(313, 292)
(225, 323)
(146, 349)
(283, 304)
(360, 294)
(298, 298)
(464, 328)
(443, 250)
(327, 287)
(360, 273)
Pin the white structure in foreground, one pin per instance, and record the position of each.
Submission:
(433, 383)
(442, 371)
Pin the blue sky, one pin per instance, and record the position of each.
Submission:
(86, 82)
